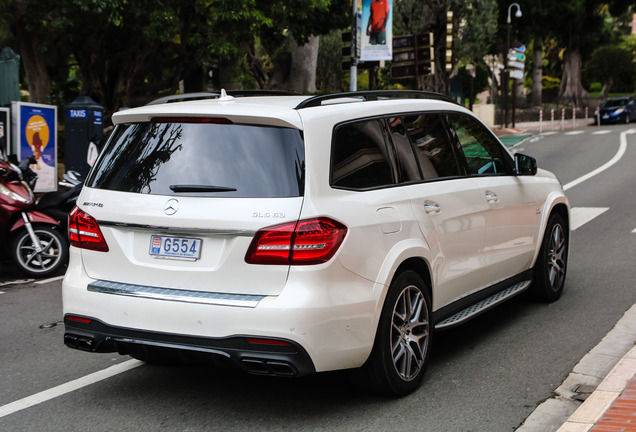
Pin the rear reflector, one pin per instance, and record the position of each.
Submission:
(306, 242)
(84, 232)
(78, 319)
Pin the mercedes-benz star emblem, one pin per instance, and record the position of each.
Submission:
(171, 207)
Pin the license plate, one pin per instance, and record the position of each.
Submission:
(178, 248)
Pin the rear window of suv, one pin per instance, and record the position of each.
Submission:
(202, 159)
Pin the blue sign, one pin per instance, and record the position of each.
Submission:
(98, 117)
(76, 113)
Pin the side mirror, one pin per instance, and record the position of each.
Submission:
(525, 165)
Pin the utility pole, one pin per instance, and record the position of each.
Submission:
(353, 71)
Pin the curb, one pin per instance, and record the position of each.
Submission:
(599, 379)
(588, 414)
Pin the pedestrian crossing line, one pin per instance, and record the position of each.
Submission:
(579, 216)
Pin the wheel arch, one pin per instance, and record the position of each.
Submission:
(561, 207)
(420, 266)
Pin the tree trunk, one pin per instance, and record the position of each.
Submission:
(572, 90)
(34, 66)
(537, 72)
(302, 76)
(607, 85)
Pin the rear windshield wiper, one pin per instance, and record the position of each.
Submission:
(200, 188)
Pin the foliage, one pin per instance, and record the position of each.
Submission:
(618, 74)
(125, 53)
(329, 74)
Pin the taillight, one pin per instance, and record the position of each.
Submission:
(306, 242)
(84, 233)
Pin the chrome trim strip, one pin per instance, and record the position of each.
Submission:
(178, 295)
(178, 230)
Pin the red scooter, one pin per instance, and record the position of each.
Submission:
(35, 241)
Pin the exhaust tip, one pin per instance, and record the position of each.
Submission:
(79, 342)
(269, 367)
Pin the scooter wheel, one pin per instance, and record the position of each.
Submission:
(53, 253)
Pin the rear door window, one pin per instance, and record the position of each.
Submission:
(432, 146)
(202, 159)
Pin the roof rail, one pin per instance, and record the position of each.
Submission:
(372, 95)
(181, 97)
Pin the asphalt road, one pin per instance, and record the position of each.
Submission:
(488, 375)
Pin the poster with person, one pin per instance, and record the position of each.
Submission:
(377, 30)
(35, 128)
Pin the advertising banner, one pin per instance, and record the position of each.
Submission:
(5, 131)
(35, 134)
(377, 30)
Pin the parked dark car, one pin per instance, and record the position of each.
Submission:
(618, 110)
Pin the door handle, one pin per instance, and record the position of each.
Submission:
(432, 207)
(491, 197)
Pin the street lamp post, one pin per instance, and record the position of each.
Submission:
(506, 72)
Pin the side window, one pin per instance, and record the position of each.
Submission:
(406, 163)
(484, 154)
(432, 147)
(360, 159)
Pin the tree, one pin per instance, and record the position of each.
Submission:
(128, 52)
(620, 71)
(474, 27)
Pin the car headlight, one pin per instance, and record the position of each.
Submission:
(619, 111)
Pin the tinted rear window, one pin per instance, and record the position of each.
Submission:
(200, 159)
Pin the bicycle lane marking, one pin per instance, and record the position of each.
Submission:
(619, 154)
(68, 387)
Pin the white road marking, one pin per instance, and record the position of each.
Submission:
(68, 387)
(578, 132)
(16, 282)
(549, 133)
(579, 216)
(53, 279)
(619, 154)
(601, 132)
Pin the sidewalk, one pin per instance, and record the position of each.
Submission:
(605, 379)
(544, 126)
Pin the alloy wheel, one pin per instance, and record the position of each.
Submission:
(556, 257)
(409, 332)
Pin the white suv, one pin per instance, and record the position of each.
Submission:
(290, 234)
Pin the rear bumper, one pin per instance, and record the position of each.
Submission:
(328, 317)
(262, 356)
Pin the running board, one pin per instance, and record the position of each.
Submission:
(482, 306)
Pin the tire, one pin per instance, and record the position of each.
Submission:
(49, 261)
(403, 340)
(551, 267)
